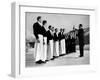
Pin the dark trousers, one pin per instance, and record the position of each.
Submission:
(74, 47)
(81, 47)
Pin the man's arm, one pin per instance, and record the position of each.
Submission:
(35, 31)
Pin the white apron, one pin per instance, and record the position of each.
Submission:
(60, 50)
(56, 48)
(39, 49)
(63, 50)
(45, 49)
(50, 50)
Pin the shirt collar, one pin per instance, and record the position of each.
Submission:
(40, 23)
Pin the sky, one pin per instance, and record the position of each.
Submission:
(66, 21)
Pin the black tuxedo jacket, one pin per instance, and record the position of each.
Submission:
(49, 36)
(56, 38)
(37, 29)
(61, 36)
(81, 36)
(43, 31)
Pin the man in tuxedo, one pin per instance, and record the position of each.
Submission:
(44, 56)
(74, 40)
(43, 28)
(49, 35)
(69, 43)
(56, 38)
(52, 32)
(63, 42)
(49, 43)
(56, 43)
(66, 43)
(37, 30)
(60, 36)
(81, 39)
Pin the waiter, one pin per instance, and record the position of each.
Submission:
(60, 35)
(74, 40)
(56, 43)
(81, 40)
(39, 40)
(52, 33)
(63, 42)
(49, 44)
(44, 56)
(66, 43)
(69, 43)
